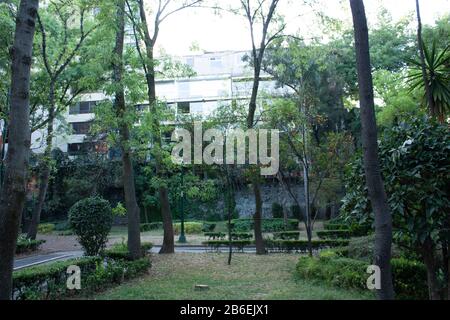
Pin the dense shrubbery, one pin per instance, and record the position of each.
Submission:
(277, 210)
(91, 219)
(302, 245)
(46, 228)
(145, 227)
(189, 228)
(409, 276)
(238, 244)
(334, 234)
(215, 235)
(120, 251)
(286, 235)
(49, 281)
(268, 225)
(25, 245)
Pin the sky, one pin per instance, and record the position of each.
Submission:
(211, 32)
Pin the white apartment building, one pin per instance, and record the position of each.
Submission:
(220, 78)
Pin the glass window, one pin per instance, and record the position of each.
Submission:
(184, 107)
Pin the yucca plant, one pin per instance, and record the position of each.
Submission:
(437, 65)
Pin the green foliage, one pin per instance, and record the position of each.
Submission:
(215, 235)
(302, 245)
(409, 277)
(48, 282)
(145, 227)
(119, 251)
(91, 219)
(25, 244)
(238, 244)
(241, 236)
(363, 248)
(189, 228)
(268, 225)
(46, 228)
(414, 160)
(119, 210)
(334, 234)
(286, 235)
(209, 227)
(277, 210)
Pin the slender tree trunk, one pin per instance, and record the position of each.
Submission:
(429, 258)
(429, 95)
(377, 193)
(168, 242)
(134, 237)
(259, 240)
(307, 208)
(13, 193)
(45, 174)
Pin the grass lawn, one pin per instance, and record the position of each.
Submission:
(251, 277)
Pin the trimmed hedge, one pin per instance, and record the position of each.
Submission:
(335, 226)
(145, 227)
(215, 235)
(189, 228)
(334, 234)
(268, 225)
(302, 245)
(120, 251)
(209, 227)
(49, 282)
(286, 235)
(356, 230)
(409, 277)
(241, 236)
(25, 245)
(239, 244)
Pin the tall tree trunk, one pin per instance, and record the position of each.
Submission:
(168, 241)
(429, 258)
(307, 207)
(13, 193)
(257, 218)
(45, 174)
(377, 193)
(134, 237)
(429, 95)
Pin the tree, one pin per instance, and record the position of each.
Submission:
(377, 193)
(264, 14)
(56, 59)
(14, 186)
(142, 30)
(134, 237)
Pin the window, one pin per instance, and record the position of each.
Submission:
(216, 63)
(83, 107)
(183, 89)
(81, 127)
(184, 107)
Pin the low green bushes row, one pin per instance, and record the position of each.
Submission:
(25, 245)
(209, 227)
(239, 244)
(145, 227)
(268, 225)
(334, 234)
(356, 230)
(302, 245)
(215, 235)
(189, 228)
(119, 251)
(409, 277)
(46, 228)
(286, 235)
(49, 282)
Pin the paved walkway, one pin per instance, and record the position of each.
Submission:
(35, 260)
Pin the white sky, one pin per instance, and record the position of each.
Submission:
(228, 32)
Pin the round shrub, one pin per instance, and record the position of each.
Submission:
(91, 220)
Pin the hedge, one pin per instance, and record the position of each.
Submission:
(49, 282)
(215, 235)
(356, 230)
(268, 225)
(409, 277)
(335, 226)
(241, 236)
(334, 234)
(239, 244)
(25, 245)
(302, 245)
(189, 228)
(120, 251)
(286, 235)
(145, 227)
(46, 228)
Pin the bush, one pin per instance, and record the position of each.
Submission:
(189, 228)
(409, 276)
(334, 234)
(241, 236)
(362, 248)
(62, 226)
(238, 244)
(209, 227)
(49, 281)
(302, 245)
(119, 251)
(46, 228)
(268, 225)
(215, 235)
(25, 245)
(335, 226)
(91, 219)
(277, 210)
(286, 235)
(145, 227)
(297, 212)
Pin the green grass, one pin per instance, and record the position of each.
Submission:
(174, 277)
